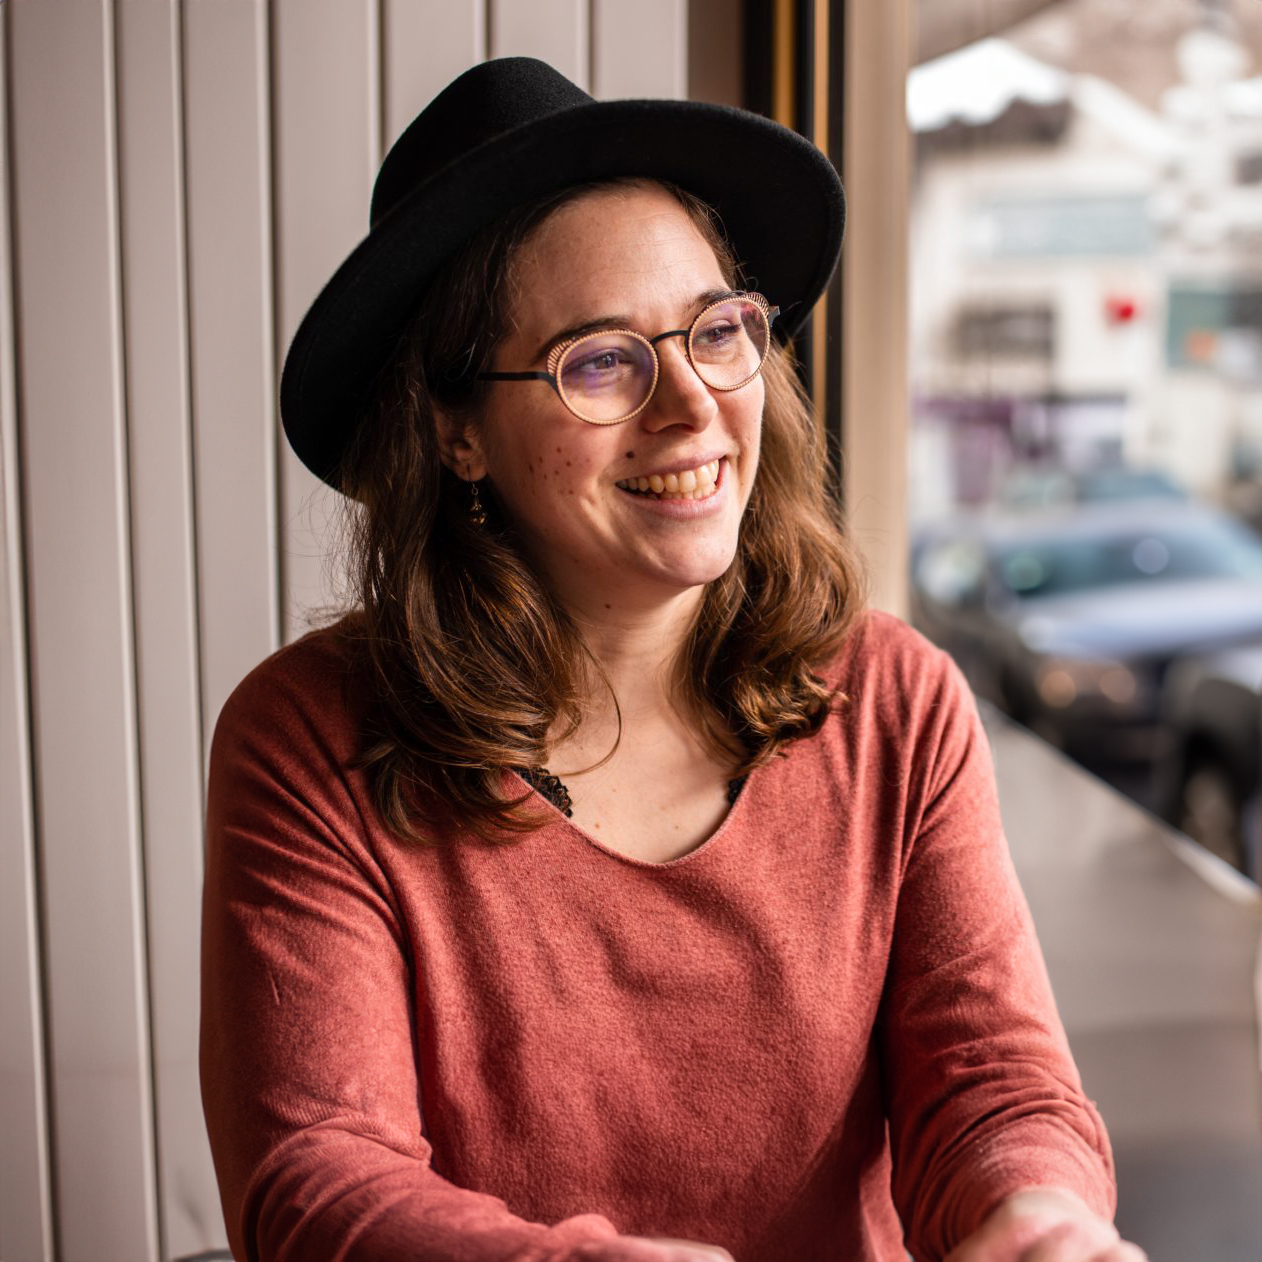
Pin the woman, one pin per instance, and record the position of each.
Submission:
(606, 887)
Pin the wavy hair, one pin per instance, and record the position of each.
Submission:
(472, 663)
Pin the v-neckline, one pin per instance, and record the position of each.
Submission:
(605, 848)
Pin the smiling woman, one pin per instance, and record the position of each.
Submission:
(606, 886)
(556, 503)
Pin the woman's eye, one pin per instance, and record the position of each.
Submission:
(593, 363)
(716, 334)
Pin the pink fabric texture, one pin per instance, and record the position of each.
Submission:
(827, 1033)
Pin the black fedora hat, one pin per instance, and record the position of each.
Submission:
(510, 131)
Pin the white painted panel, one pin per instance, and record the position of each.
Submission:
(556, 31)
(232, 351)
(641, 49)
(425, 45)
(154, 307)
(25, 1206)
(79, 590)
(326, 141)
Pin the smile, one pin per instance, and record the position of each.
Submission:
(688, 484)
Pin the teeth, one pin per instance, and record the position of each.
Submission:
(691, 484)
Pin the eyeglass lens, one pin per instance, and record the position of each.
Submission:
(606, 377)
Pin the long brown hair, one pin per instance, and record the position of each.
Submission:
(472, 662)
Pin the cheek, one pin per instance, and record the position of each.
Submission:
(751, 448)
(748, 424)
(758, 403)
(566, 467)
(558, 470)
(538, 475)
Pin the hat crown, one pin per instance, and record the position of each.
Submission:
(487, 101)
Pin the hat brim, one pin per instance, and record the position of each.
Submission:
(778, 197)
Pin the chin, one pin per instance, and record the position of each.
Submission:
(702, 573)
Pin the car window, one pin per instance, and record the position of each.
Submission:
(1195, 550)
(1122, 484)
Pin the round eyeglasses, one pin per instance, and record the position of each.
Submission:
(608, 377)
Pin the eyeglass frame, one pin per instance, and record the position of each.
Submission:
(559, 351)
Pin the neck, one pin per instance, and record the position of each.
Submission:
(637, 649)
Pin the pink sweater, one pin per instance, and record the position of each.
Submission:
(830, 1018)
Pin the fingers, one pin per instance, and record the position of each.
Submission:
(644, 1249)
(1065, 1244)
(689, 1250)
(1045, 1225)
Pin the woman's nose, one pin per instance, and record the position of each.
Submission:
(681, 397)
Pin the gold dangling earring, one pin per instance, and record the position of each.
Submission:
(477, 514)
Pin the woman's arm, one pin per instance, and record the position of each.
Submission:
(983, 1097)
(308, 1034)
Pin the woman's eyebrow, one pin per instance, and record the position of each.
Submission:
(578, 330)
(701, 301)
(713, 295)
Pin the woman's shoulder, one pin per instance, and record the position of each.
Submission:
(889, 678)
(901, 712)
(886, 650)
(310, 682)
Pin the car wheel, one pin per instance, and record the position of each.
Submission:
(1210, 812)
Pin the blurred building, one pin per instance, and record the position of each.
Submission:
(1086, 278)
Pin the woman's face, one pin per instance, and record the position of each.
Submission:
(627, 257)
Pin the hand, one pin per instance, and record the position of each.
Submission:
(1045, 1225)
(646, 1249)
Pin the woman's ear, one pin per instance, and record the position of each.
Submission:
(459, 448)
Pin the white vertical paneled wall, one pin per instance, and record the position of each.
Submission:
(73, 441)
(149, 91)
(639, 49)
(179, 180)
(25, 1204)
(558, 31)
(325, 146)
(227, 171)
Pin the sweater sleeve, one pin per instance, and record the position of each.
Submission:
(981, 1091)
(308, 1061)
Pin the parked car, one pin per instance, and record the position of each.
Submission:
(1212, 773)
(1069, 620)
(1036, 485)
